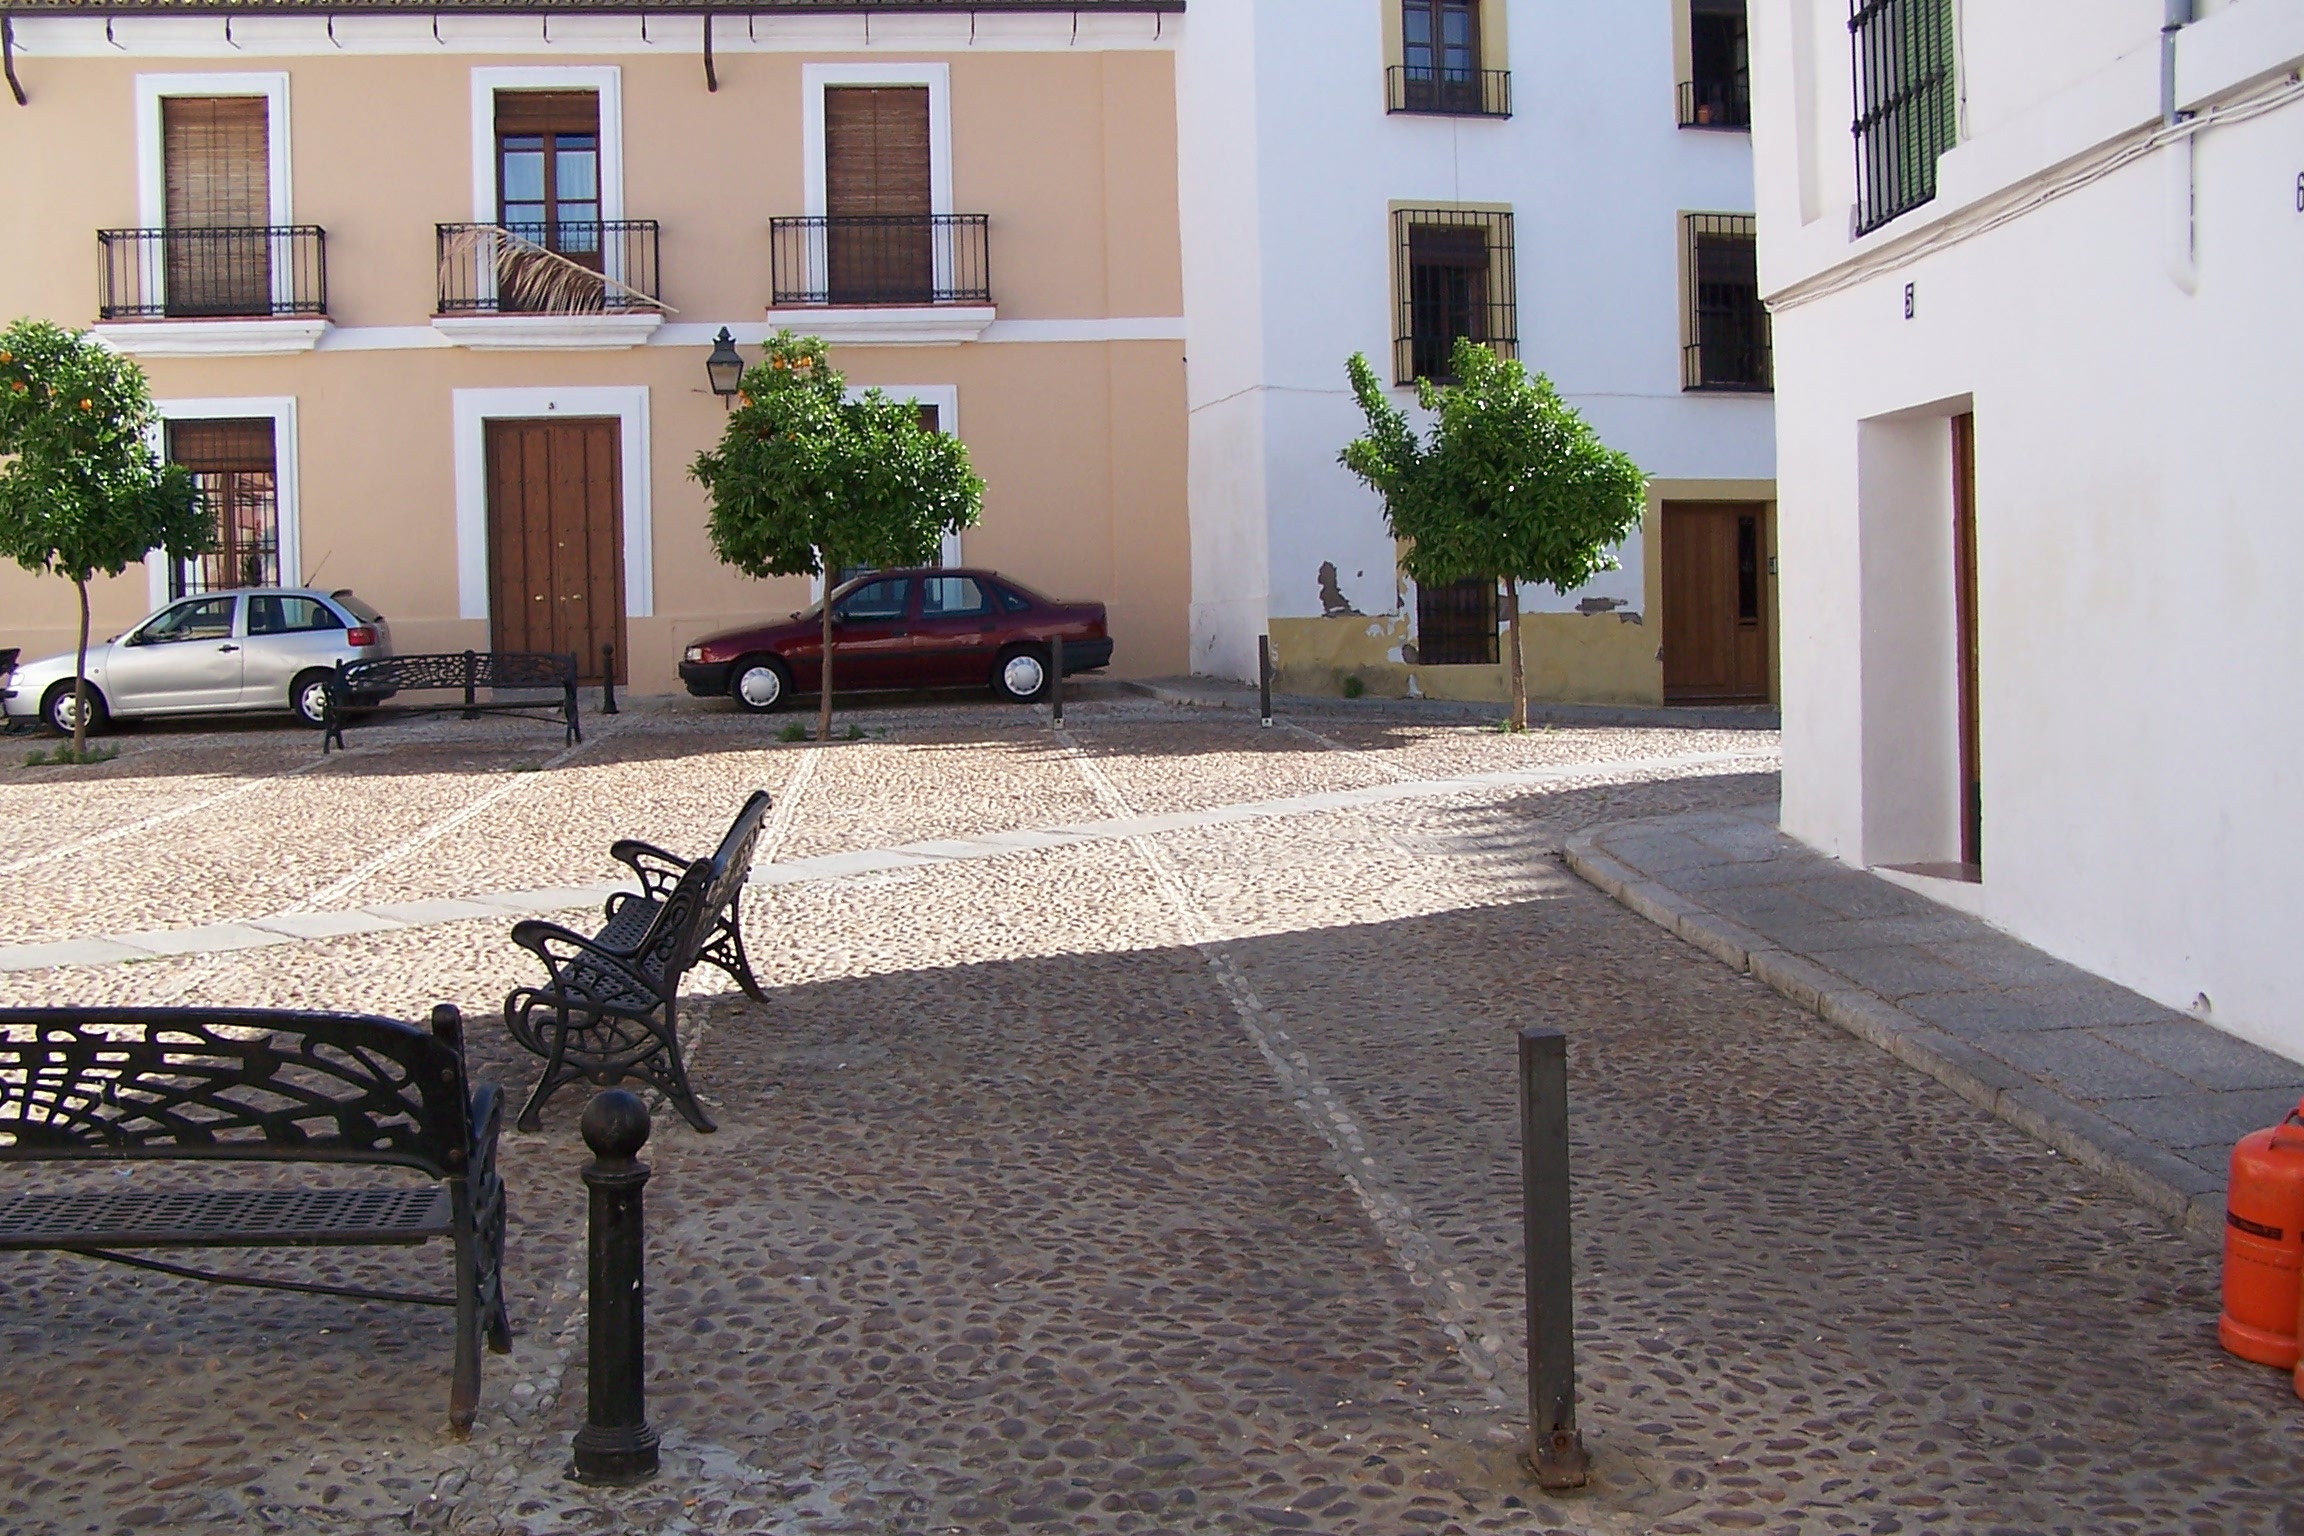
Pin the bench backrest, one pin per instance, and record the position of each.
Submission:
(683, 924)
(250, 1084)
(461, 670)
(732, 861)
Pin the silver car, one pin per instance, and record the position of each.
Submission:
(264, 648)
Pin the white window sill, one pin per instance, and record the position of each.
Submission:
(529, 333)
(210, 338)
(926, 325)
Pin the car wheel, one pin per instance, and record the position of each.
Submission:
(1021, 674)
(56, 709)
(760, 684)
(308, 697)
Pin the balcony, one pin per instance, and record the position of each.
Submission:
(892, 278)
(1715, 104)
(575, 283)
(1448, 92)
(180, 291)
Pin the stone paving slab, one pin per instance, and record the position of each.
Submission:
(2149, 1097)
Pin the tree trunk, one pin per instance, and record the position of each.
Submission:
(80, 678)
(1519, 676)
(824, 682)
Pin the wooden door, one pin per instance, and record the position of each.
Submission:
(1964, 621)
(216, 176)
(556, 539)
(878, 243)
(1715, 602)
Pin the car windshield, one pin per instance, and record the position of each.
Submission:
(357, 608)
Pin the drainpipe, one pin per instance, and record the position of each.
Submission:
(2183, 194)
(2179, 16)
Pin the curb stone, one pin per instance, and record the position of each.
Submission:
(2152, 1176)
(1223, 693)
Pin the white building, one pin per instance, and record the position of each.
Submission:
(1572, 182)
(2037, 330)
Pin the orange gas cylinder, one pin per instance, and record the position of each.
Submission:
(2264, 1244)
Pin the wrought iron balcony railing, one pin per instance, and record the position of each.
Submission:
(572, 267)
(1715, 104)
(881, 259)
(212, 274)
(1448, 92)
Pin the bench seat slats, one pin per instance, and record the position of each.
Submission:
(226, 1218)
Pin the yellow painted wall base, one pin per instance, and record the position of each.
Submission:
(1570, 658)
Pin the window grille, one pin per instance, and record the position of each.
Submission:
(1456, 623)
(1728, 344)
(1452, 277)
(1906, 103)
(234, 464)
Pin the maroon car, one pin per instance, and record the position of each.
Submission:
(927, 628)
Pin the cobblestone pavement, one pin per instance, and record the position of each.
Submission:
(1165, 1183)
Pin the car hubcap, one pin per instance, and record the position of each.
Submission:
(314, 703)
(66, 714)
(1023, 676)
(760, 687)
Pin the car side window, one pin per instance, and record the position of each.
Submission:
(1012, 602)
(875, 600)
(951, 597)
(270, 614)
(207, 618)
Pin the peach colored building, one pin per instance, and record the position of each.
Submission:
(421, 286)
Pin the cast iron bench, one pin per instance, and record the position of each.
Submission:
(258, 1085)
(611, 1009)
(364, 685)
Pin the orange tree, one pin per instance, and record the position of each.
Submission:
(1511, 483)
(81, 490)
(809, 481)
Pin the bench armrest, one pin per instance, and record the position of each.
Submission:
(659, 869)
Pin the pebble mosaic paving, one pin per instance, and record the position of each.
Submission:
(1159, 1184)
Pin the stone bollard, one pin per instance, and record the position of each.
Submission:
(616, 1445)
(1056, 683)
(1555, 1446)
(607, 678)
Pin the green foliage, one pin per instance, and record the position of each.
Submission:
(1354, 687)
(855, 732)
(793, 731)
(806, 479)
(1511, 483)
(66, 755)
(81, 490)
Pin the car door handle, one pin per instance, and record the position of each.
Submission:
(227, 648)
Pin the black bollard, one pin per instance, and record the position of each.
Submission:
(1264, 676)
(616, 1445)
(1555, 1446)
(607, 678)
(1056, 683)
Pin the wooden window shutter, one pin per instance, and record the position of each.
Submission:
(238, 447)
(876, 150)
(216, 162)
(547, 112)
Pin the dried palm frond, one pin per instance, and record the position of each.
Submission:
(533, 280)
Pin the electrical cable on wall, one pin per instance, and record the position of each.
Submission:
(2011, 206)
